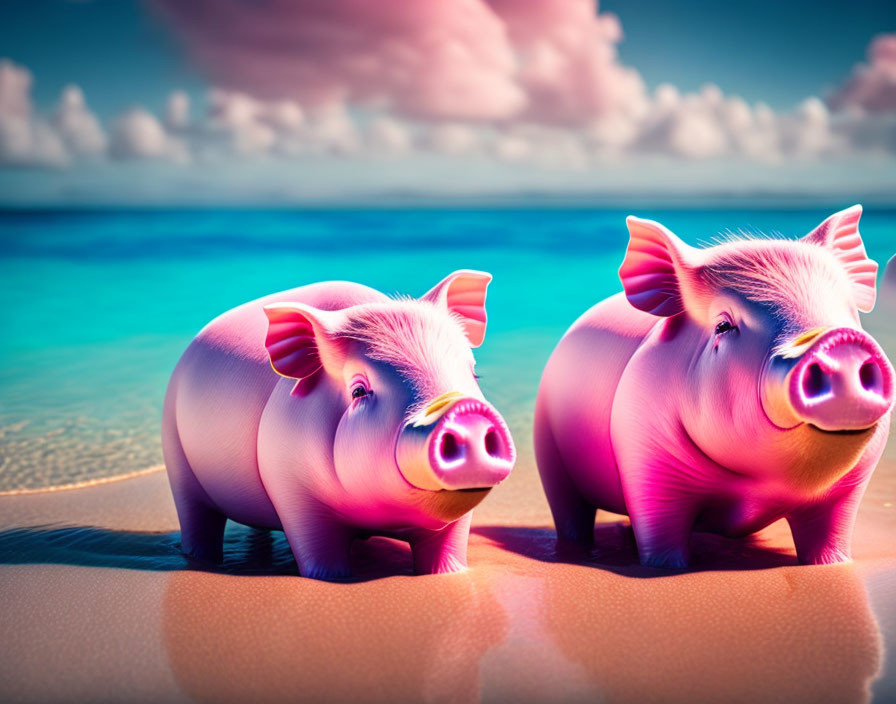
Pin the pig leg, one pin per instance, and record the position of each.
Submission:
(573, 516)
(822, 532)
(438, 552)
(663, 539)
(201, 525)
(662, 520)
(320, 543)
(201, 530)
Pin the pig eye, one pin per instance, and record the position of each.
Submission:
(723, 327)
(359, 392)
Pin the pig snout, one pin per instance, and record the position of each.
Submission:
(470, 447)
(843, 382)
(835, 380)
(457, 442)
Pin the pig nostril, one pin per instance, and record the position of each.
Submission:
(815, 382)
(492, 443)
(450, 448)
(871, 377)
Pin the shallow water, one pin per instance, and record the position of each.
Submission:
(98, 306)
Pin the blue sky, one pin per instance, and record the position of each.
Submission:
(629, 131)
(111, 48)
(778, 52)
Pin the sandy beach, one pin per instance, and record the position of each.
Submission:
(99, 604)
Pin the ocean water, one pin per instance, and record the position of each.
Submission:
(97, 306)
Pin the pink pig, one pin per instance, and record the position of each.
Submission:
(729, 387)
(375, 424)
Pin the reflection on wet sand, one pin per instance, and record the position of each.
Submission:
(518, 628)
(736, 631)
(785, 635)
(282, 638)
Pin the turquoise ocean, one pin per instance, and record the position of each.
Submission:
(97, 306)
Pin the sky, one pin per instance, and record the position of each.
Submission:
(293, 101)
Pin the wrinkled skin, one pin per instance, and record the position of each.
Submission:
(334, 412)
(726, 388)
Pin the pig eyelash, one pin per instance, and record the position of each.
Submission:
(724, 326)
(359, 390)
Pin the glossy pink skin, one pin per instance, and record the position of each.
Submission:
(656, 417)
(242, 442)
(843, 382)
(469, 446)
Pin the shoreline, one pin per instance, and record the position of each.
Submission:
(85, 483)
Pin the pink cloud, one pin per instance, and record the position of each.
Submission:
(430, 59)
(472, 60)
(872, 86)
(567, 62)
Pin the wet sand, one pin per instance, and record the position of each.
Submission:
(100, 605)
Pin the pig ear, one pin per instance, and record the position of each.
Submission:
(463, 293)
(302, 339)
(840, 234)
(655, 272)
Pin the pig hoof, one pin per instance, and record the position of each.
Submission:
(830, 557)
(447, 565)
(326, 575)
(574, 550)
(204, 558)
(580, 538)
(665, 560)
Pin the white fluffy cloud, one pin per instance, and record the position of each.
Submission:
(239, 125)
(177, 114)
(572, 126)
(78, 128)
(25, 139)
(709, 125)
(15, 89)
(138, 134)
(385, 134)
(453, 138)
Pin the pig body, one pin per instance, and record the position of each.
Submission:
(726, 388)
(315, 411)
